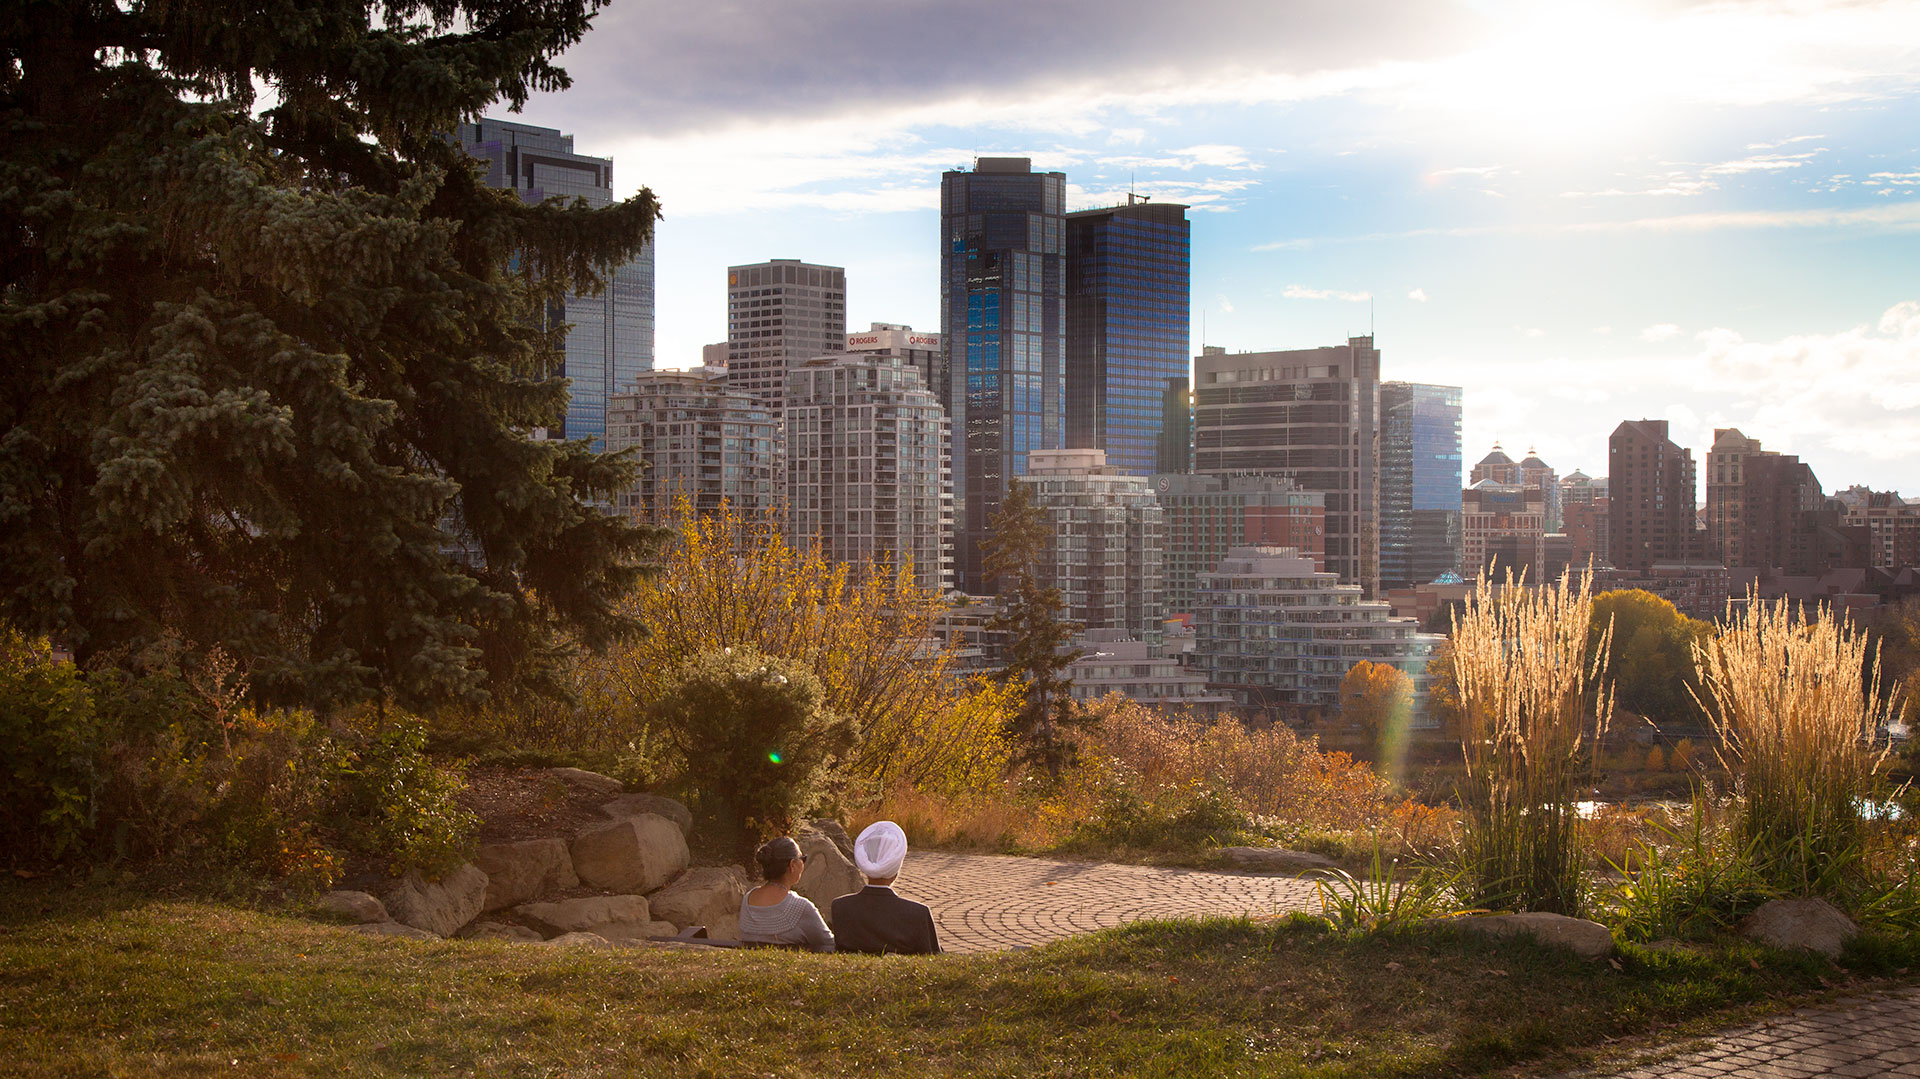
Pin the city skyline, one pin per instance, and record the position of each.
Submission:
(1580, 215)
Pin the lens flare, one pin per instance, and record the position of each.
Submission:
(774, 757)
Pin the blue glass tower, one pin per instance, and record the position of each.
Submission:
(610, 336)
(1419, 483)
(1003, 330)
(1129, 283)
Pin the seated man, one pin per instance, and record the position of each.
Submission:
(874, 920)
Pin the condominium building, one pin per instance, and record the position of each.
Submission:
(1891, 526)
(1108, 537)
(699, 439)
(1208, 515)
(1110, 664)
(780, 314)
(1129, 288)
(866, 450)
(1764, 509)
(1584, 513)
(1277, 634)
(1003, 318)
(1419, 483)
(609, 338)
(1502, 528)
(1311, 415)
(1652, 497)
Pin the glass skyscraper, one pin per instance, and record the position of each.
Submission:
(1419, 483)
(610, 336)
(1129, 282)
(1003, 330)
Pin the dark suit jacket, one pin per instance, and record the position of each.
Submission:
(875, 921)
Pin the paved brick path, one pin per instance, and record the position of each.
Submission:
(986, 902)
(1860, 1037)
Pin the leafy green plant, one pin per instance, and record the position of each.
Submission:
(1186, 818)
(1695, 885)
(1381, 901)
(402, 806)
(50, 739)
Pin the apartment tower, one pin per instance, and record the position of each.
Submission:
(780, 314)
(1652, 489)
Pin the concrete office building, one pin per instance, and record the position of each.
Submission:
(1129, 289)
(1419, 483)
(780, 314)
(610, 336)
(1107, 541)
(920, 350)
(866, 452)
(1206, 516)
(1277, 635)
(1653, 490)
(697, 438)
(1311, 415)
(1002, 375)
(1502, 528)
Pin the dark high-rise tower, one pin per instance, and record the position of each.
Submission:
(1419, 483)
(1003, 328)
(1129, 283)
(610, 336)
(1653, 491)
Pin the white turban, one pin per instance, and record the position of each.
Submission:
(881, 848)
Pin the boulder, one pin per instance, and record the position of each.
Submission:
(391, 929)
(579, 940)
(517, 872)
(633, 805)
(499, 931)
(638, 854)
(833, 830)
(590, 782)
(605, 915)
(705, 895)
(356, 906)
(830, 874)
(440, 907)
(1275, 860)
(1813, 924)
(1589, 940)
(661, 929)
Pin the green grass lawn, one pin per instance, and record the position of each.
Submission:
(101, 982)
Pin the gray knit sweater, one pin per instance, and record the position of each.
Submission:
(793, 920)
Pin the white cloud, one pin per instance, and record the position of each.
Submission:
(1660, 332)
(1226, 305)
(1529, 331)
(1300, 292)
(1131, 136)
(1901, 218)
(1418, 295)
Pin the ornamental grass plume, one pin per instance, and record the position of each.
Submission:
(1529, 687)
(1796, 701)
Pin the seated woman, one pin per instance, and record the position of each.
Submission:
(771, 913)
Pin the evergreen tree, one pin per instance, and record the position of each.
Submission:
(1037, 653)
(253, 359)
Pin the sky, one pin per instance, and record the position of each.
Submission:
(1582, 213)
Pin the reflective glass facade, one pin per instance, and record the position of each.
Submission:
(1419, 483)
(610, 336)
(1129, 279)
(1003, 332)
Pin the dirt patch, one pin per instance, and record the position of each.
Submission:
(529, 803)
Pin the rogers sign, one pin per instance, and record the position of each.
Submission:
(894, 339)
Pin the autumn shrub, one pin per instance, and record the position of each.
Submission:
(1530, 685)
(50, 747)
(1796, 700)
(1189, 818)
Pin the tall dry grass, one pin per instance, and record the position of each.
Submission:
(1796, 700)
(1530, 689)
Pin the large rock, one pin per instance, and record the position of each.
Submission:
(1814, 924)
(830, 874)
(391, 929)
(833, 830)
(705, 895)
(357, 906)
(591, 782)
(499, 931)
(1275, 860)
(440, 907)
(1589, 940)
(638, 854)
(633, 805)
(517, 872)
(605, 915)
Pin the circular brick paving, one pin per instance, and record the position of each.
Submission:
(1862, 1038)
(988, 902)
